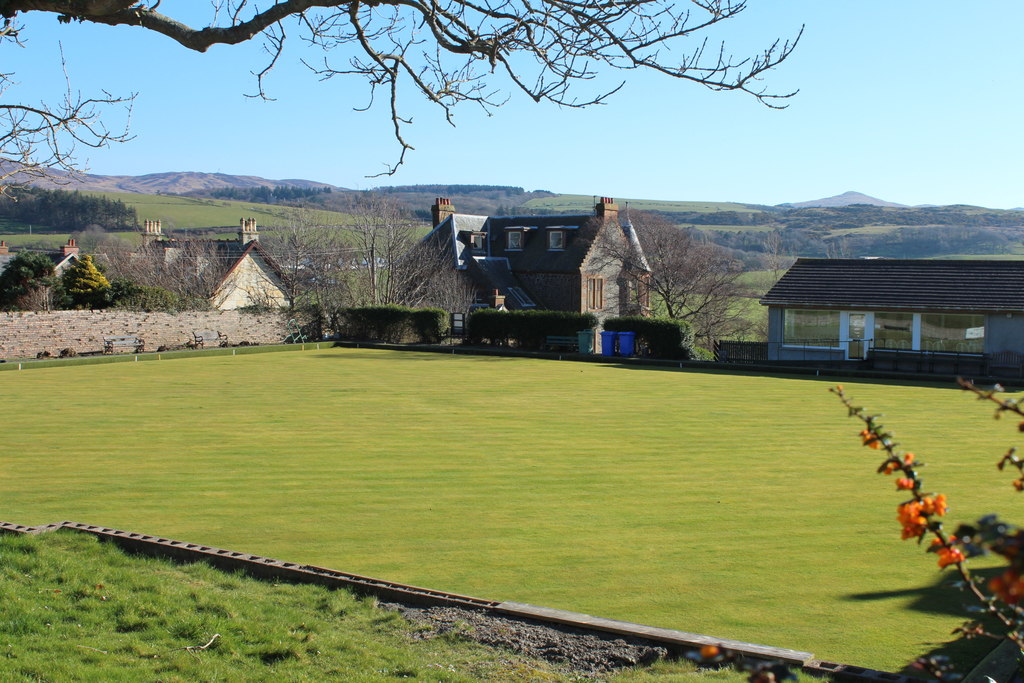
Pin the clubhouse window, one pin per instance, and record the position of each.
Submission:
(811, 328)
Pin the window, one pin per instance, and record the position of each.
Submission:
(514, 239)
(811, 328)
(556, 239)
(952, 332)
(894, 330)
(595, 293)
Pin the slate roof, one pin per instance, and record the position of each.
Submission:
(227, 254)
(901, 284)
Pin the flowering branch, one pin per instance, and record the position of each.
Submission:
(920, 517)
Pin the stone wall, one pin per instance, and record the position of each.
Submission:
(23, 335)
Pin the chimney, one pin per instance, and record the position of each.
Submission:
(607, 209)
(247, 232)
(151, 232)
(69, 249)
(4, 251)
(441, 209)
(497, 300)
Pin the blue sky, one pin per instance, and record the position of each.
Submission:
(913, 102)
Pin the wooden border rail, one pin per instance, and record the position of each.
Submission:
(677, 642)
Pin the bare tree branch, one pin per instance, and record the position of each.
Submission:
(43, 140)
(452, 51)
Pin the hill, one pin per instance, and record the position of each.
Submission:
(178, 182)
(844, 199)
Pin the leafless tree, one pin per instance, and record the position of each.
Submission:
(454, 51)
(690, 278)
(427, 279)
(776, 259)
(189, 268)
(321, 268)
(43, 139)
(384, 233)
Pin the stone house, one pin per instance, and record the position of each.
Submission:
(867, 309)
(240, 272)
(62, 258)
(551, 262)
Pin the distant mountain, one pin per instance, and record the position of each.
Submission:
(844, 199)
(181, 182)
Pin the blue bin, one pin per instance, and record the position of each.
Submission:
(608, 343)
(627, 343)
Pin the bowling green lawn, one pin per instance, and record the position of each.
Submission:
(734, 505)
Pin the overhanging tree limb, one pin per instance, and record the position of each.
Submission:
(452, 51)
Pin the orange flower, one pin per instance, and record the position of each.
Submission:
(913, 521)
(948, 556)
(890, 467)
(1008, 587)
(870, 439)
(904, 484)
(934, 506)
(908, 460)
(709, 651)
(1019, 484)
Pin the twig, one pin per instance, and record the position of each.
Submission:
(86, 647)
(196, 648)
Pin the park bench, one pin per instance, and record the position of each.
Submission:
(554, 341)
(111, 344)
(999, 362)
(201, 339)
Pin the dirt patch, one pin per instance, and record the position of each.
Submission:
(581, 653)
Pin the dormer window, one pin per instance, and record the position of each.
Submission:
(556, 240)
(476, 240)
(514, 240)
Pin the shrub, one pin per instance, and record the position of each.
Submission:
(380, 323)
(527, 329)
(395, 323)
(130, 296)
(662, 337)
(429, 324)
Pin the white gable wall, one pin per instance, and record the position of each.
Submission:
(251, 283)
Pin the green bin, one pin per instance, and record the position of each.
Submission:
(586, 341)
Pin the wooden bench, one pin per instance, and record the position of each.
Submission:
(999, 362)
(562, 342)
(201, 339)
(111, 344)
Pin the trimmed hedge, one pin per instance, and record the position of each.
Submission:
(429, 324)
(395, 324)
(525, 329)
(662, 337)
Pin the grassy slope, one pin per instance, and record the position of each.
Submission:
(78, 610)
(191, 212)
(585, 204)
(727, 504)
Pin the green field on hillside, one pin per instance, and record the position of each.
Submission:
(734, 505)
(585, 204)
(195, 212)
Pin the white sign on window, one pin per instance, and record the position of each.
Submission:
(974, 333)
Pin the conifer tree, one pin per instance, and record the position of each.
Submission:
(85, 285)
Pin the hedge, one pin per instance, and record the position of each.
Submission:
(395, 324)
(525, 329)
(662, 337)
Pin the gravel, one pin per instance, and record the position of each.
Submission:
(575, 651)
